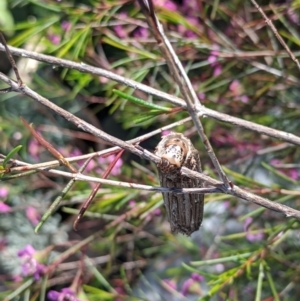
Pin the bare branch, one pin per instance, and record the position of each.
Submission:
(276, 33)
(235, 191)
(288, 137)
(182, 80)
(11, 59)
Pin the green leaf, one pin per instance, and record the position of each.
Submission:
(121, 44)
(141, 102)
(11, 154)
(143, 119)
(278, 173)
(39, 27)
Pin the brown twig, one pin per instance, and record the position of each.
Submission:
(233, 190)
(12, 61)
(288, 137)
(276, 33)
(87, 203)
(182, 80)
(48, 146)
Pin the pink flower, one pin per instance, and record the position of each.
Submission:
(119, 30)
(3, 192)
(30, 266)
(66, 294)
(165, 133)
(107, 160)
(235, 87)
(66, 26)
(156, 212)
(250, 235)
(34, 148)
(166, 4)
(201, 96)
(33, 215)
(186, 286)
(132, 203)
(275, 162)
(4, 208)
(189, 282)
(212, 59)
(294, 174)
(54, 39)
(197, 277)
(141, 32)
(217, 70)
(170, 283)
(244, 98)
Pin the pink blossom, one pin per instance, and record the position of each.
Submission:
(293, 16)
(54, 38)
(119, 30)
(293, 173)
(33, 215)
(166, 4)
(156, 212)
(254, 236)
(247, 223)
(116, 170)
(275, 162)
(3, 192)
(132, 203)
(244, 98)
(17, 278)
(170, 283)
(217, 70)
(186, 286)
(235, 87)
(201, 95)
(197, 277)
(64, 294)
(226, 204)
(34, 148)
(250, 235)
(212, 59)
(30, 266)
(165, 133)
(141, 32)
(66, 25)
(75, 152)
(4, 208)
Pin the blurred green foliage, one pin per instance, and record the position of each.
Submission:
(237, 67)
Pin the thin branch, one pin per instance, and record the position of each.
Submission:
(276, 33)
(235, 191)
(11, 59)
(182, 80)
(87, 203)
(149, 90)
(21, 166)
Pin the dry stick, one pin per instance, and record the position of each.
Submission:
(59, 198)
(235, 191)
(149, 90)
(95, 189)
(48, 146)
(287, 211)
(11, 60)
(273, 28)
(179, 74)
(22, 166)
